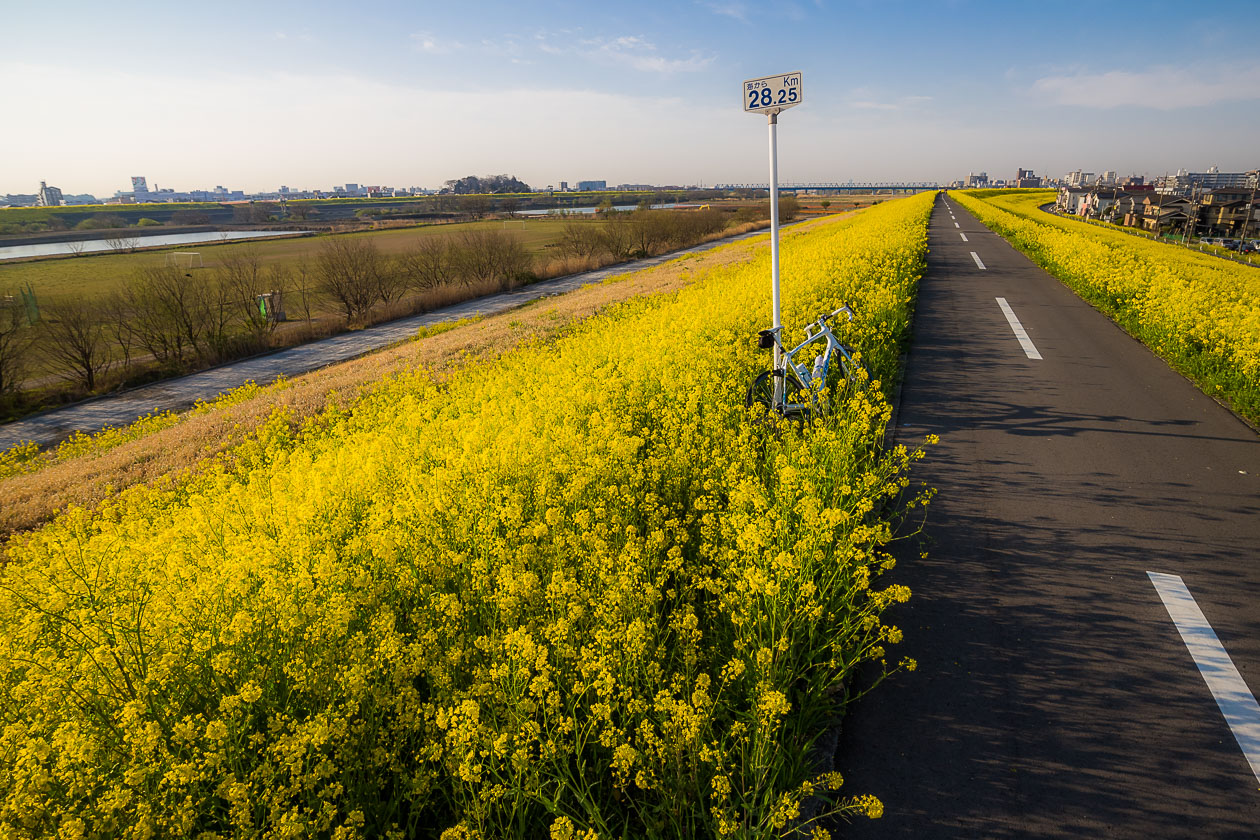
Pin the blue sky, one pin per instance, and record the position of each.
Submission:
(254, 95)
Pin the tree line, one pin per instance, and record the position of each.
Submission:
(487, 184)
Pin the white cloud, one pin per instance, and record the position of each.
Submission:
(303, 35)
(1164, 88)
(729, 8)
(427, 42)
(631, 51)
(867, 100)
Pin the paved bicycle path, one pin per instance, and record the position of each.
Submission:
(174, 394)
(1054, 696)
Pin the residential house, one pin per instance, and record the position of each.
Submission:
(1162, 213)
(1130, 209)
(1069, 200)
(1098, 203)
(1231, 213)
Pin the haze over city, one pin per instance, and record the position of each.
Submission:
(313, 94)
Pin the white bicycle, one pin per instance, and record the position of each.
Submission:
(806, 388)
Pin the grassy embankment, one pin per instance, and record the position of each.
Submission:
(313, 313)
(597, 605)
(1199, 313)
(87, 469)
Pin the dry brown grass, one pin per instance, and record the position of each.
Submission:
(170, 455)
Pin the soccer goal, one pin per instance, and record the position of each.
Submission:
(185, 259)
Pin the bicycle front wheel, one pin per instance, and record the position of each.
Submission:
(761, 394)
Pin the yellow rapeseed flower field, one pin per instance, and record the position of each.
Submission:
(1199, 312)
(576, 592)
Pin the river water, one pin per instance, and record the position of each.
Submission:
(586, 211)
(96, 246)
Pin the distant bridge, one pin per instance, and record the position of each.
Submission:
(848, 187)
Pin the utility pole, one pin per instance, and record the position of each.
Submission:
(1159, 208)
(1192, 214)
(1248, 210)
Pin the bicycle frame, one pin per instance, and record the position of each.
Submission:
(802, 373)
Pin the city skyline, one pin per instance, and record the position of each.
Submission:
(1077, 178)
(309, 95)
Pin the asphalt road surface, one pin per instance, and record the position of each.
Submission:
(176, 394)
(1055, 696)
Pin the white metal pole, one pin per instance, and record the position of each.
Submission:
(774, 252)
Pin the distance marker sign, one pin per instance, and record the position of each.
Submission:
(772, 94)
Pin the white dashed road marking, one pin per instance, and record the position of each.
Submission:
(976, 257)
(964, 236)
(1030, 349)
(1235, 700)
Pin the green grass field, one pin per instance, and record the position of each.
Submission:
(99, 274)
(92, 275)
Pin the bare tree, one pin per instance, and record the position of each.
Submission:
(391, 279)
(151, 326)
(217, 308)
(242, 281)
(617, 235)
(120, 324)
(483, 256)
(688, 228)
(122, 243)
(183, 303)
(580, 239)
(428, 263)
(789, 207)
(346, 270)
(303, 280)
(653, 230)
(76, 246)
(173, 313)
(75, 340)
(15, 341)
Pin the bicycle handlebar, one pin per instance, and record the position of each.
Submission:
(846, 308)
(767, 338)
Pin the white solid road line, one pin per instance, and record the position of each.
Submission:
(1236, 702)
(964, 236)
(1030, 349)
(976, 257)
